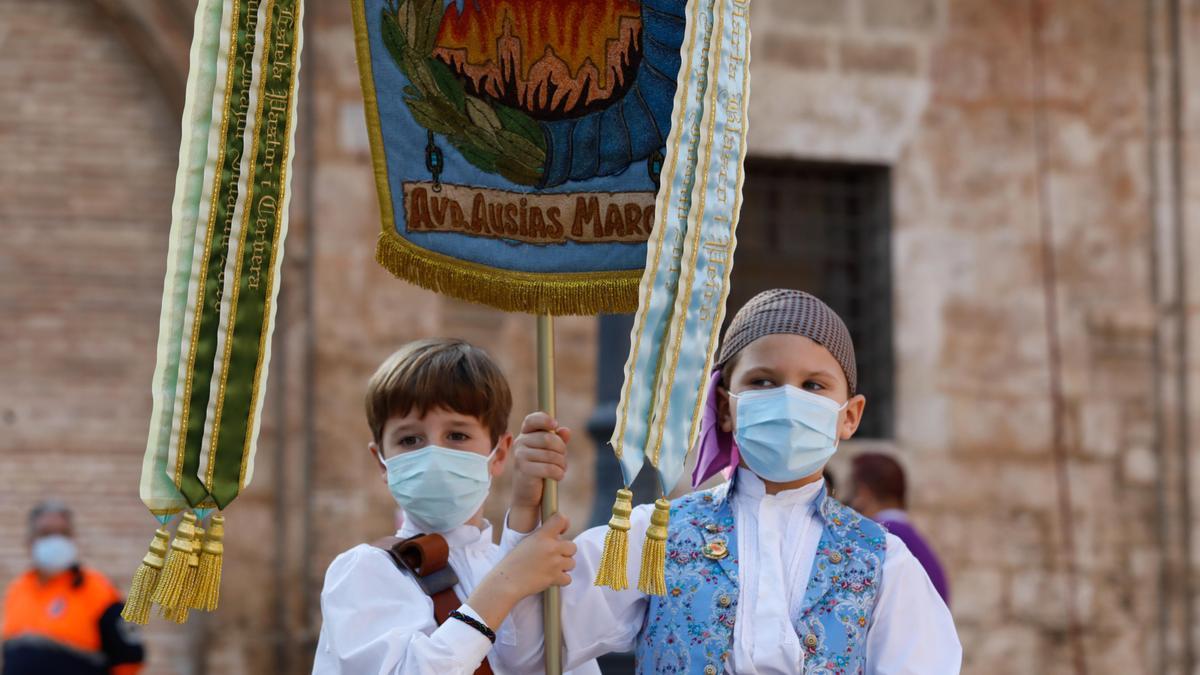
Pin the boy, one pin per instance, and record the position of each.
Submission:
(765, 573)
(438, 411)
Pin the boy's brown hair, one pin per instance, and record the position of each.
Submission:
(439, 373)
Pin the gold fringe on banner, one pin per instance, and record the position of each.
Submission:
(652, 580)
(615, 557)
(145, 579)
(580, 293)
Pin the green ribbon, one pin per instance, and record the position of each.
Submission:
(197, 370)
(157, 489)
(254, 280)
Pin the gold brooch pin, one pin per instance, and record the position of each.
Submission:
(715, 550)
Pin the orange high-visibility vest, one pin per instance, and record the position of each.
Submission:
(61, 614)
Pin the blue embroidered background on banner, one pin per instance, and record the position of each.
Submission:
(522, 137)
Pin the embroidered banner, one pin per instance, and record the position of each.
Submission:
(530, 218)
(473, 106)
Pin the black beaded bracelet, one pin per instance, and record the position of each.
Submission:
(477, 625)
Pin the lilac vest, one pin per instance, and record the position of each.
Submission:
(690, 629)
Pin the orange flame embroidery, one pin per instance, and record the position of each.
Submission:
(544, 56)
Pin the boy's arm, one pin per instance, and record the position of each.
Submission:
(911, 631)
(595, 620)
(376, 618)
(374, 622)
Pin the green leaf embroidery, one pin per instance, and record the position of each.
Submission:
(519, 123)
(482, 114)
(448, 84)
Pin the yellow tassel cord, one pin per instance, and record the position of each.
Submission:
(178, 615)
(137, 605)
(614, 558)
(171, 586)
(652, 580)
(208, 581)
(191, 578)
(187, 602)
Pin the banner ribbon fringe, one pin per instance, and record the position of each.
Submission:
(556, 294)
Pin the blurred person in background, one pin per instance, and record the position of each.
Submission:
(879, 492)
(61, 617)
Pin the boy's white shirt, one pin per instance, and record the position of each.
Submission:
(376, 620)
(911, 633)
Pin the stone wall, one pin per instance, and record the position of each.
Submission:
(943, 91)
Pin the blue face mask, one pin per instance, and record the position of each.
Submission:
(53, 554)
(439, 488)
(785, 433)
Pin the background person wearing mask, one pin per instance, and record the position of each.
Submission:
(61, 617)
(879, 493)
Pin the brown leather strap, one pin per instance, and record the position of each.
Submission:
(427, 558)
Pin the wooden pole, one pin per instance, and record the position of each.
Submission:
(551, 600)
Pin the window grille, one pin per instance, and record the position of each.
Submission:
(825, 228)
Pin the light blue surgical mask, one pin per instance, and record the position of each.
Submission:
(439, 488)
(53, 554)
(785, 433)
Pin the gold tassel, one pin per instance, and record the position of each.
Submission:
(614, 558)
(191, 578)
(170, 590)
(208, 583)
(653, 579)
(178, 615)
(137, 605)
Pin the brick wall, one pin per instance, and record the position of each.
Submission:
(89, 158)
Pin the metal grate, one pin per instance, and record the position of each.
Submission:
(825, 228)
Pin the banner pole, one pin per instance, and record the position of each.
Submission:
(551, 600)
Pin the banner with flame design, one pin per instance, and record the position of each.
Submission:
(517, 144)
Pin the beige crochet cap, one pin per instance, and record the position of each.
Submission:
(783, 310)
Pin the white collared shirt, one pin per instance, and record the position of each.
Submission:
(377, 620)
(911, 632)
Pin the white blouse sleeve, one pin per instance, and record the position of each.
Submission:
(375, 621)
(912, 632)
(596, 621)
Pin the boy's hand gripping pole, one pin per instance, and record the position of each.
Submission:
(551, 600)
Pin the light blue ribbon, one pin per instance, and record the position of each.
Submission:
(708, 257)
(665, 249)
(690, 256)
